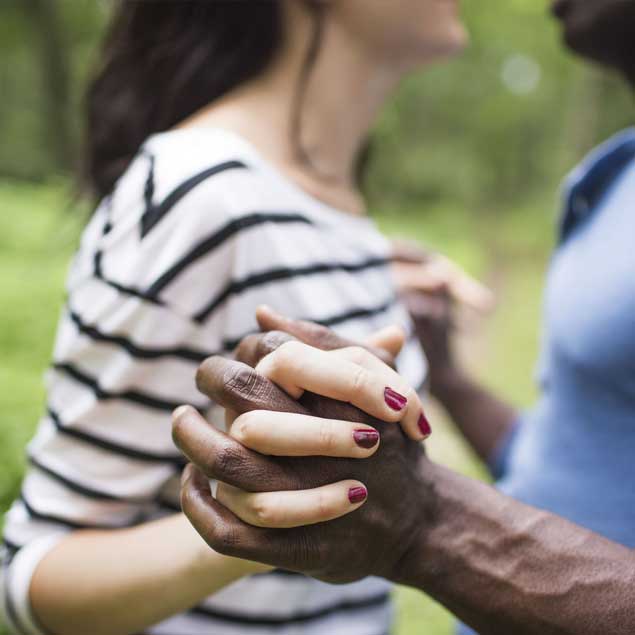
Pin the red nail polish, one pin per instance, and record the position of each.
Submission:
(394, 400)
(357, 495)
(366, 438)
(424, 426)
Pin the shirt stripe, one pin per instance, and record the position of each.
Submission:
(156, 287)
(155, 212)
(102, 394)
(135, 350)
(212, 242)
(295, 618)
(104, 444)
(284, 273)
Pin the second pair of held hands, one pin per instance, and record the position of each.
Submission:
(292, 459)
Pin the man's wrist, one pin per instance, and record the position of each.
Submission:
(419, 562)
(446, 383)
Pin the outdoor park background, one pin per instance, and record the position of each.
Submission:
(467, 159)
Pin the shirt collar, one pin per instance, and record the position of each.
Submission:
(586, 186)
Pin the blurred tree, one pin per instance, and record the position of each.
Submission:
(502, 123)
(43, 16)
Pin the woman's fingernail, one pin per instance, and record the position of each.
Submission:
(424, 426)
(366, 438)
(357, 495)
(394, 400)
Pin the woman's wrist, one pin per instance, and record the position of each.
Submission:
(213, 569)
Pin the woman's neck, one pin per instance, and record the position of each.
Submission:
(346, 90)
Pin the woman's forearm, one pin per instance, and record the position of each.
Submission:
(504, 567)
(120, 582)
(483, 419)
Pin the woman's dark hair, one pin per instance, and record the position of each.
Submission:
(163, 61)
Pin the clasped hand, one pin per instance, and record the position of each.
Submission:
(313, 435)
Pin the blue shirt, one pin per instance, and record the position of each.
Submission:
(573, 454)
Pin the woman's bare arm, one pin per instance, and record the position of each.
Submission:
(120, 582)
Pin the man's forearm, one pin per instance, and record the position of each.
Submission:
(504, 567)
(483, 419)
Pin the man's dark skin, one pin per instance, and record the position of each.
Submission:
(500, 566)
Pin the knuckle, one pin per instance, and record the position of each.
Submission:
(327, 437)
(272, 341)
(357, 354)
(239, 380)
(244, 428)
(282, 358)
(224, 539)
(323, 505)
(359, 379)
(227, 463)
(289, 350)
(264, 514)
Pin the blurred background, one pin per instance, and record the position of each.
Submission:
(467, 159)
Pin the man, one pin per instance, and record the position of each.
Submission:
(499, 565)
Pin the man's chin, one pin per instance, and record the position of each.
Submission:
(561, 8)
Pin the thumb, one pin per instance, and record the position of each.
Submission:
(390, 339)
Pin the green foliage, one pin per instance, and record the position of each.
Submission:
(500, 124)
(36, 240)
(466, 158)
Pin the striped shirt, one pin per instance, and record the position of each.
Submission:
(197, 233)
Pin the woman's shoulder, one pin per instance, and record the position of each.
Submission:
(192, 176)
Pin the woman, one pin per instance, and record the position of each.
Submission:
(553, 553)
(223, 140)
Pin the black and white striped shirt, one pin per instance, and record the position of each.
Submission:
(198, 232)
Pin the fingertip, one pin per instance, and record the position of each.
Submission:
(263, 311)
(181, 411)
(186, 475)
(268, 318)
(423, 426)
(367, 440)
(396, 404)
(357, 494)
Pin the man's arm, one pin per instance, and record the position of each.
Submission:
(501, 566)
(504, 567)
(483, 418)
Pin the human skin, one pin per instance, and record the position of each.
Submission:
(600, 31)
(500, 566)
(432, 300)
(126, 580)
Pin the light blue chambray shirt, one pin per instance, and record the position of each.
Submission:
(573, 454)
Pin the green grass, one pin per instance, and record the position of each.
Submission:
(39, 231)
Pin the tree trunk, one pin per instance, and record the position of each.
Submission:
(44, 18)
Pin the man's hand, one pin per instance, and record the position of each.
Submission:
(373, 540)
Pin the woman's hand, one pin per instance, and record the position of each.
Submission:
(428, 272)
(259, 490)
(351, 375)
(433, 289)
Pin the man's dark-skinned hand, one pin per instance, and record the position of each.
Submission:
(398, 465)
(500, 566)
